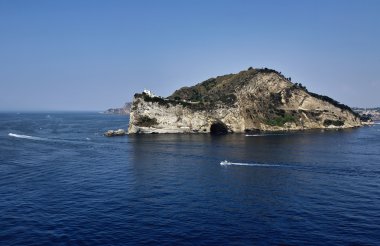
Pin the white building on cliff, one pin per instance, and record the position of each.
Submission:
(149, 93)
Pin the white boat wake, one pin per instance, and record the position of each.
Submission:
(26, 137)
(263, 135)
(48, 139)
(227, 163)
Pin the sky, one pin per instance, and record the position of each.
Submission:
(95, 55)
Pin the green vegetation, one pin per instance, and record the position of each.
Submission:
(215, 91)
(333, 122)
(280, 120)
(146, 121)
(167, 102)
(229, 99)
(326, 99)
(161, 101)
(366, 117)
(158, 100)
(275, 99)
(220, 90)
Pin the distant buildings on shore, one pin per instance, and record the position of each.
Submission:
(374, 113)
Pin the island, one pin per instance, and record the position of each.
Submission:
(259, 99)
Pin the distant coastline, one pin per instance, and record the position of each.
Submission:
(373, 113)
(125, 110)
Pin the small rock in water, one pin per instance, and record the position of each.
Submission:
(113, 133)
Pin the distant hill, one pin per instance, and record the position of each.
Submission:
(125, 110)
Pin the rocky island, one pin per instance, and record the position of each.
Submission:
(251, 100)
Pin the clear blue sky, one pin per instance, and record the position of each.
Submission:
(92, 55)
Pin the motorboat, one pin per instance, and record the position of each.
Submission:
(225, 162)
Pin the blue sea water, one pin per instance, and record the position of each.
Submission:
(63, 183)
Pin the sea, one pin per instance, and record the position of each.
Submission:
(63, 183)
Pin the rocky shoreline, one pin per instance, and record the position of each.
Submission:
(115, 133)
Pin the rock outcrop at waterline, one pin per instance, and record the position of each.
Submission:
(255, 99)
(115, 133)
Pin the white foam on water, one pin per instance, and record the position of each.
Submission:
(263, 135)
(223, 163)
(26, 137)
(49, 139)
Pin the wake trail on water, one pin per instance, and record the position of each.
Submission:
(263, 135)
(47, 139)
(303, 168)
(224, 163)
(27, 137)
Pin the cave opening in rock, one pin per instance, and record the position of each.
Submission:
(218, 128)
